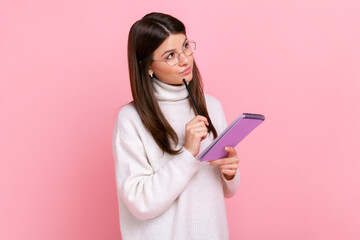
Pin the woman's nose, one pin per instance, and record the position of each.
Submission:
(183, 59)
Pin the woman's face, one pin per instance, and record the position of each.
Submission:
(172, 75)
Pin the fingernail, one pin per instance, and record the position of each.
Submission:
(226, 148)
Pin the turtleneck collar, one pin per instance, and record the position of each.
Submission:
(166, 92)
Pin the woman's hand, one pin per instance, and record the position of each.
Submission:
(229, 165)
(195, 132)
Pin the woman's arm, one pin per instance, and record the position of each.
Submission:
(147, 194)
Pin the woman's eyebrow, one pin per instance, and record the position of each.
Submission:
(172, 50)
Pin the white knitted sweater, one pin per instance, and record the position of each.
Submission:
(163, 196)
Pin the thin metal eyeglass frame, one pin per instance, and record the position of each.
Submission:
(178, 58)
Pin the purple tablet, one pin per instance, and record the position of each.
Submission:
(231, 136)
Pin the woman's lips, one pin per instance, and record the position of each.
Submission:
(186, 71)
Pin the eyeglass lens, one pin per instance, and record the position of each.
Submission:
(189, 49)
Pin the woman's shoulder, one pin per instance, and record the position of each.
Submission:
(216, 112)
(128, 110)
(213, 103)
(128, 114)
(128, 125)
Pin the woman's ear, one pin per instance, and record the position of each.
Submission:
(151, 72)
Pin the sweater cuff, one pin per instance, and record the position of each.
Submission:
(189, 155)
(230, 186)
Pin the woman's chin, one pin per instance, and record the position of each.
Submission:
(187, 78)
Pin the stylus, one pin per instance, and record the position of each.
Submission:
(191, 96)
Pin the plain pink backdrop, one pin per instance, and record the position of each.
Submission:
(63, 77)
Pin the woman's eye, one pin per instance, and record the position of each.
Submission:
(170, 56)
(186, 45)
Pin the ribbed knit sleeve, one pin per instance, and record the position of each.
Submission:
(146, 193)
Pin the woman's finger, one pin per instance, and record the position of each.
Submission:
(231, 151)
(195, 124)
(199, 118)
(228, 166)
(228, 172)
(198, 127)
(224, 161)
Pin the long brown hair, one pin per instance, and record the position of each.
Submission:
(145, 36)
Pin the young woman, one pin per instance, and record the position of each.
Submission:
(164, 191)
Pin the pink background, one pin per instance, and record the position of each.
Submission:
(64, 76)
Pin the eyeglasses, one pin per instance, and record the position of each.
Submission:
(174, 57)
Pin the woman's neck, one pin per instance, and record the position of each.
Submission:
(167, 92)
